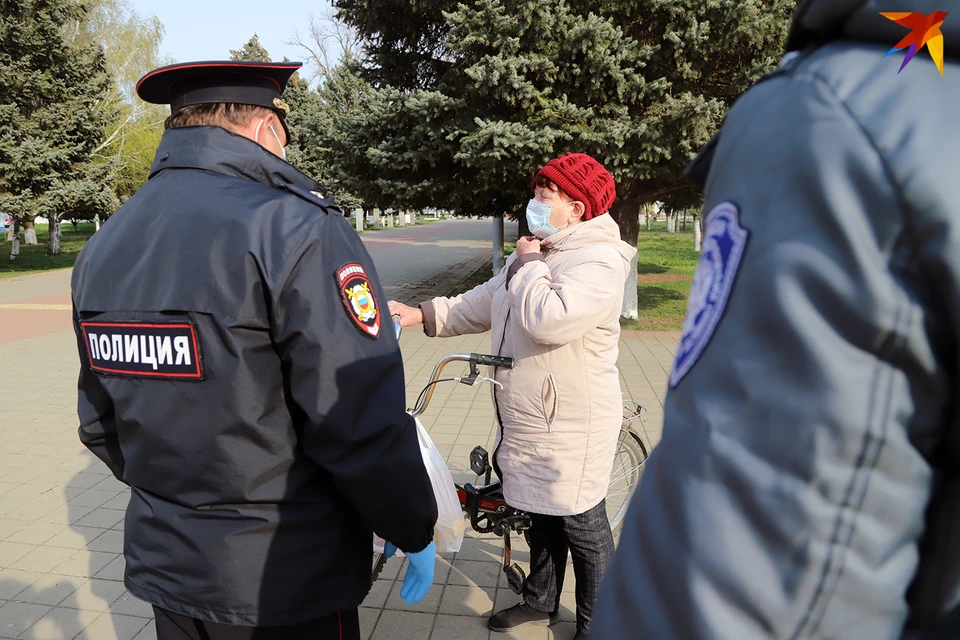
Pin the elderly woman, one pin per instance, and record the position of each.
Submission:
(555, 309)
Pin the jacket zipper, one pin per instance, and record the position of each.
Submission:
(496, 406)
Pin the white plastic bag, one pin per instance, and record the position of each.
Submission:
(448, 533)
(451, 525)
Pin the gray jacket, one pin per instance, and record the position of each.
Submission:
(807, 482)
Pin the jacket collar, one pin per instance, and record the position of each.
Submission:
(219, 150)
(817, 21)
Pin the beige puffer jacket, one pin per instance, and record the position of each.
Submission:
(558, 316)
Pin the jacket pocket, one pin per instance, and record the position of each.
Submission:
(548, 396)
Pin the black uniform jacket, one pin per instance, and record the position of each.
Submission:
(239, 371)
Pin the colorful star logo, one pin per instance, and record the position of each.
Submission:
(925, 30)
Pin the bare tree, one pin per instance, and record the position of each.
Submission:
(327, 43)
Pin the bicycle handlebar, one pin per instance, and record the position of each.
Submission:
(492, 361)
(472, 358)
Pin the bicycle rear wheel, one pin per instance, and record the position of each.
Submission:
(628, 465)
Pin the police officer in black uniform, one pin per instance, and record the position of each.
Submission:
(239, 373)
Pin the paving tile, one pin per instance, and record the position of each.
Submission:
(115, 627)
(563, 631)
(149, 632)
(36, 533)
(568, 606)
(471, 572)
(60, 624)
(461, 628)
(9, 527)
(10, 552)
(102, 518)
(75, 537)
(84, 480)
(50, 589)
(377, 596)
(85, 563)
(108, 541)
(119, 502)
(66, 514)
(13, 581)
(402, 625)
(43, 559)
(486, 549)
(467, 601)
(429, 604)
(17, 617)
(368, 621)
(114, 570)
(33, 510)
(530, 632)
(95, 595)
(92, 498)
(130, 605)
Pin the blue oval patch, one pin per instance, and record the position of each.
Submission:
(724, 241)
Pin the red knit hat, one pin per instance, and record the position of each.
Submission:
(584, 179)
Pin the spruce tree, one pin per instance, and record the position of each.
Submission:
(51, 86)
(505, 85)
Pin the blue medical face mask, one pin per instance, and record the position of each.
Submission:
(538, 218)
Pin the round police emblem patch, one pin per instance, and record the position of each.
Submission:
(359, 299)
(724, 241)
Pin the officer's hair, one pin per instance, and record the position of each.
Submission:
(228, 116)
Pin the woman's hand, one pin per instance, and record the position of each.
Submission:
(527, 244)
(409, 316)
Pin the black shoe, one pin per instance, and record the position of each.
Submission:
(520, 615)
(581, 635)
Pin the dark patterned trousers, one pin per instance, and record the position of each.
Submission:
(589, 540)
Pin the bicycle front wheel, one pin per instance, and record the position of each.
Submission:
(628, 465)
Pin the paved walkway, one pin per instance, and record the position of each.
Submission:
(61, 511)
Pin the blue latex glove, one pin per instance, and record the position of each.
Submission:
(419, 577)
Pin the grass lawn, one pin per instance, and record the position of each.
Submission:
(34, 258)
(666, 265)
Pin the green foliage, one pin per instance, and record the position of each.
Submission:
(52, 88)
(131, 43)
(476, 96)
(252, 51)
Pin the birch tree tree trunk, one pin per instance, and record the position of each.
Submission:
(15, 248)
(697, 233)
(627, 214)
(497, 244)
(53, 236)
(96, 222)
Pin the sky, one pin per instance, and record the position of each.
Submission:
(208, 29)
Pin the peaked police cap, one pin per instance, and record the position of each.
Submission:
(228, 81)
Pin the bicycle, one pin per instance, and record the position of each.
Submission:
(485, 506)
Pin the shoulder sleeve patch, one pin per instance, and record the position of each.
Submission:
(143, 350)
(359, 300)
(724, 242)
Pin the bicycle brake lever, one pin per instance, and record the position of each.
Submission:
(474, 381)
(490, 380)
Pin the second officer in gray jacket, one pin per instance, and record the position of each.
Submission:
(807, 482)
